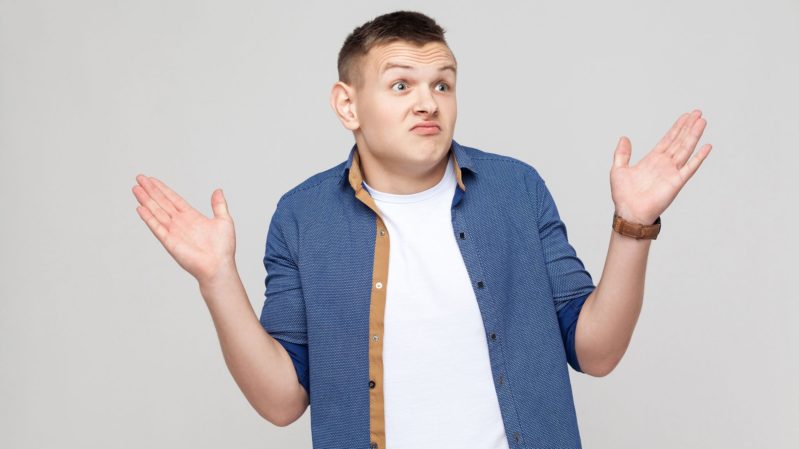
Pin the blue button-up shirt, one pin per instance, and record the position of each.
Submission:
(327, 267)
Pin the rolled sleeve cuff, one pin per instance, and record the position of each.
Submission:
(299, 356)
(567, 318)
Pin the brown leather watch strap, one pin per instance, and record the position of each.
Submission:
(636, 230)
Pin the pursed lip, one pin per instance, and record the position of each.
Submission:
(427, 124)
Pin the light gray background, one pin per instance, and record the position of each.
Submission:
(106, 342)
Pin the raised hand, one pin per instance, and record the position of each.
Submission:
(643, 191)
(205, 247)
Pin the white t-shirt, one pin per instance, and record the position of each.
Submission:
(438, 386)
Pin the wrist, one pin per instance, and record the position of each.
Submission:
(635, 230)
(224, 274)
(638, 221)
(633, 218)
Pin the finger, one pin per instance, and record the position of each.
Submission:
(162, 199)
(177, 200)
(678, 142)
(621, 157)
(688, 170)
(157, 195)
(218, 203)
(666, 140)
(691, 139)
(158, 230)
(145, 200)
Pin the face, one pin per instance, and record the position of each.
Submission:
(404, 86)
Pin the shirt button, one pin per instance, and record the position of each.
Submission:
(493, 336)
(371, 384)
(379, 284)
(463, 235)
(382, 232)
(480, 284)
(373, 445)
(375, 337)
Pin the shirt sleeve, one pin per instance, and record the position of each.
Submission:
(570, 281)
(299, 357)
(567, 318)
(283, 312)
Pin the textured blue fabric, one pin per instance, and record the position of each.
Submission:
(299, 357)
(529, 284)
(567, 318)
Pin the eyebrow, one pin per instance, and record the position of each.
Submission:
(394, 65)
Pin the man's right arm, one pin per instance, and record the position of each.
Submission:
(206, 248)
(259, 364)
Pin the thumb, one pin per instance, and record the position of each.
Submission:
(623, 151)
(218, 204)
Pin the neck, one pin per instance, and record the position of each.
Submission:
(399, 179)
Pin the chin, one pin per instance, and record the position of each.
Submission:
(432, 149)
(437, 141)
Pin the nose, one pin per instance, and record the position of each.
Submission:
(425, 102)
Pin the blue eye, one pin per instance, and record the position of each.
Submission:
(445, 85)
(399, 83)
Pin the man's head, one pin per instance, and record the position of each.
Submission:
(395, 72)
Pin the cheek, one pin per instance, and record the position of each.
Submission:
(452, 104)
(377, 119)
(449, 110)
(389, 113)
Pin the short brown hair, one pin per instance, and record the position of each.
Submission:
(410, 26)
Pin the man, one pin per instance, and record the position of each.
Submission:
(423, 293)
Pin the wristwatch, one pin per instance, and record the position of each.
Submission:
(635, 230)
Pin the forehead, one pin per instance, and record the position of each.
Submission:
(402, 53)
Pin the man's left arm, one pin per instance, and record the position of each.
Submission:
(640, 193)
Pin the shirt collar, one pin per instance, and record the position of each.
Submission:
(352, 169)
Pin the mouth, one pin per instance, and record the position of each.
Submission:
(426, 128)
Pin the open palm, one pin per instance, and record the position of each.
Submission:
(201, 245)
(643, 191)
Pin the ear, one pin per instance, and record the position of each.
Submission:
(341, 100)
